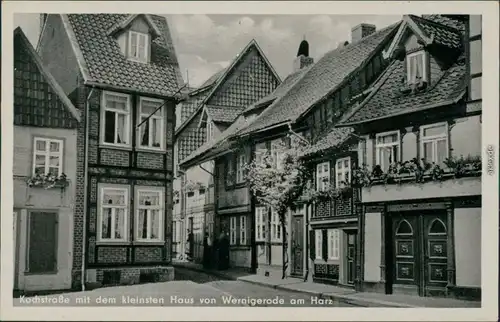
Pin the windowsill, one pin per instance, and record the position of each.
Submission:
(112, 243)
(151, 150)
(148, 243)
(114, 146)
(137, 60)
(236, 186)
(239, 247)
(41, 273)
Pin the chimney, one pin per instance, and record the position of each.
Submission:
(43, 18)
(302, 60)
(361, 31)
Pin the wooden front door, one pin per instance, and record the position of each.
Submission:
(420, 259)
(42, 245)
(350, 253)
(297, 245)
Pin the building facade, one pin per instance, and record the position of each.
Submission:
(45, 176)
(420, 220)
(207, 112)
(122, 74)
(307, 104)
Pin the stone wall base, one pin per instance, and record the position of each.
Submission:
(454, 292)
(99, 277)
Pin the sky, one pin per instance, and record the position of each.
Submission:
(207, 43)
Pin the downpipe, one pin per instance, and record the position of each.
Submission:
(85, 189)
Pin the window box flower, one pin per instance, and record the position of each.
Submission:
(48, 181)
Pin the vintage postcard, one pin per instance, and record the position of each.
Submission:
(250, 160)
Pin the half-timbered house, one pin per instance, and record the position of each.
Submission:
(207, 112)
(420, 155)
(122, 74)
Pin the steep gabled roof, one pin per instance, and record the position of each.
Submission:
(386, 100)
(51, 81)
(330, 140)
(103, 64)
(222, 141)
(428, 32)
(320, 80)
(222, 77)
(126, 22)
(223, 114)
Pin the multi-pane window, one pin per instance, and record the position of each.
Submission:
(416, 64)
(260, 151)
(277, 147)
(387, 149)
(116, 118)
(319, 244)
(434, 142)
(243, 230)
(275, 226)
(260, 223)
(149, 215)
(240, 167)
(232, 230)
(138, 46)
(114, 203)
(210, 130)
(322, 176)
(48, 156)
(151, 131)
(343, 172)
(230, 175)
(333, 244)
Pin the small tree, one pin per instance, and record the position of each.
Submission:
(278, 179)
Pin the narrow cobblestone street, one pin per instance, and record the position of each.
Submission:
(244, 290)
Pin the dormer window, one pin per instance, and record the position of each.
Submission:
(138, 46)
(416, 66)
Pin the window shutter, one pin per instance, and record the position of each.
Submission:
(237, 230)
(325, 244)
(312, 245)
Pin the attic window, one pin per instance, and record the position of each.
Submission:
(138, 49)
(416, 64)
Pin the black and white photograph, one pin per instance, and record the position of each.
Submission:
(159, 157)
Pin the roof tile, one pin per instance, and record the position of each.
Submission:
(323, 77)
(106, 63)
(223, 114)
(387, 100)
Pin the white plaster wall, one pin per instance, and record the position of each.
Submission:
(468, 247)
(373, 244)
(432, 189)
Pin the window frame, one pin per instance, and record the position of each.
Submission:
(146, 46)
(333, 244)
(243, 230)
(320, 185)
(232, 230)
(160, 208)
(383, 145)
(276, 233)
(101, 190)
(140, 114)
(241, 161)
(425, 59)
(318, 240)
(343, 171)
(127, 114)
(210, 129)
(434, 139)
(48, 154)
(260, 213)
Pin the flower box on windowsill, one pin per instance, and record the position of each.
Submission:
(48, 181)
